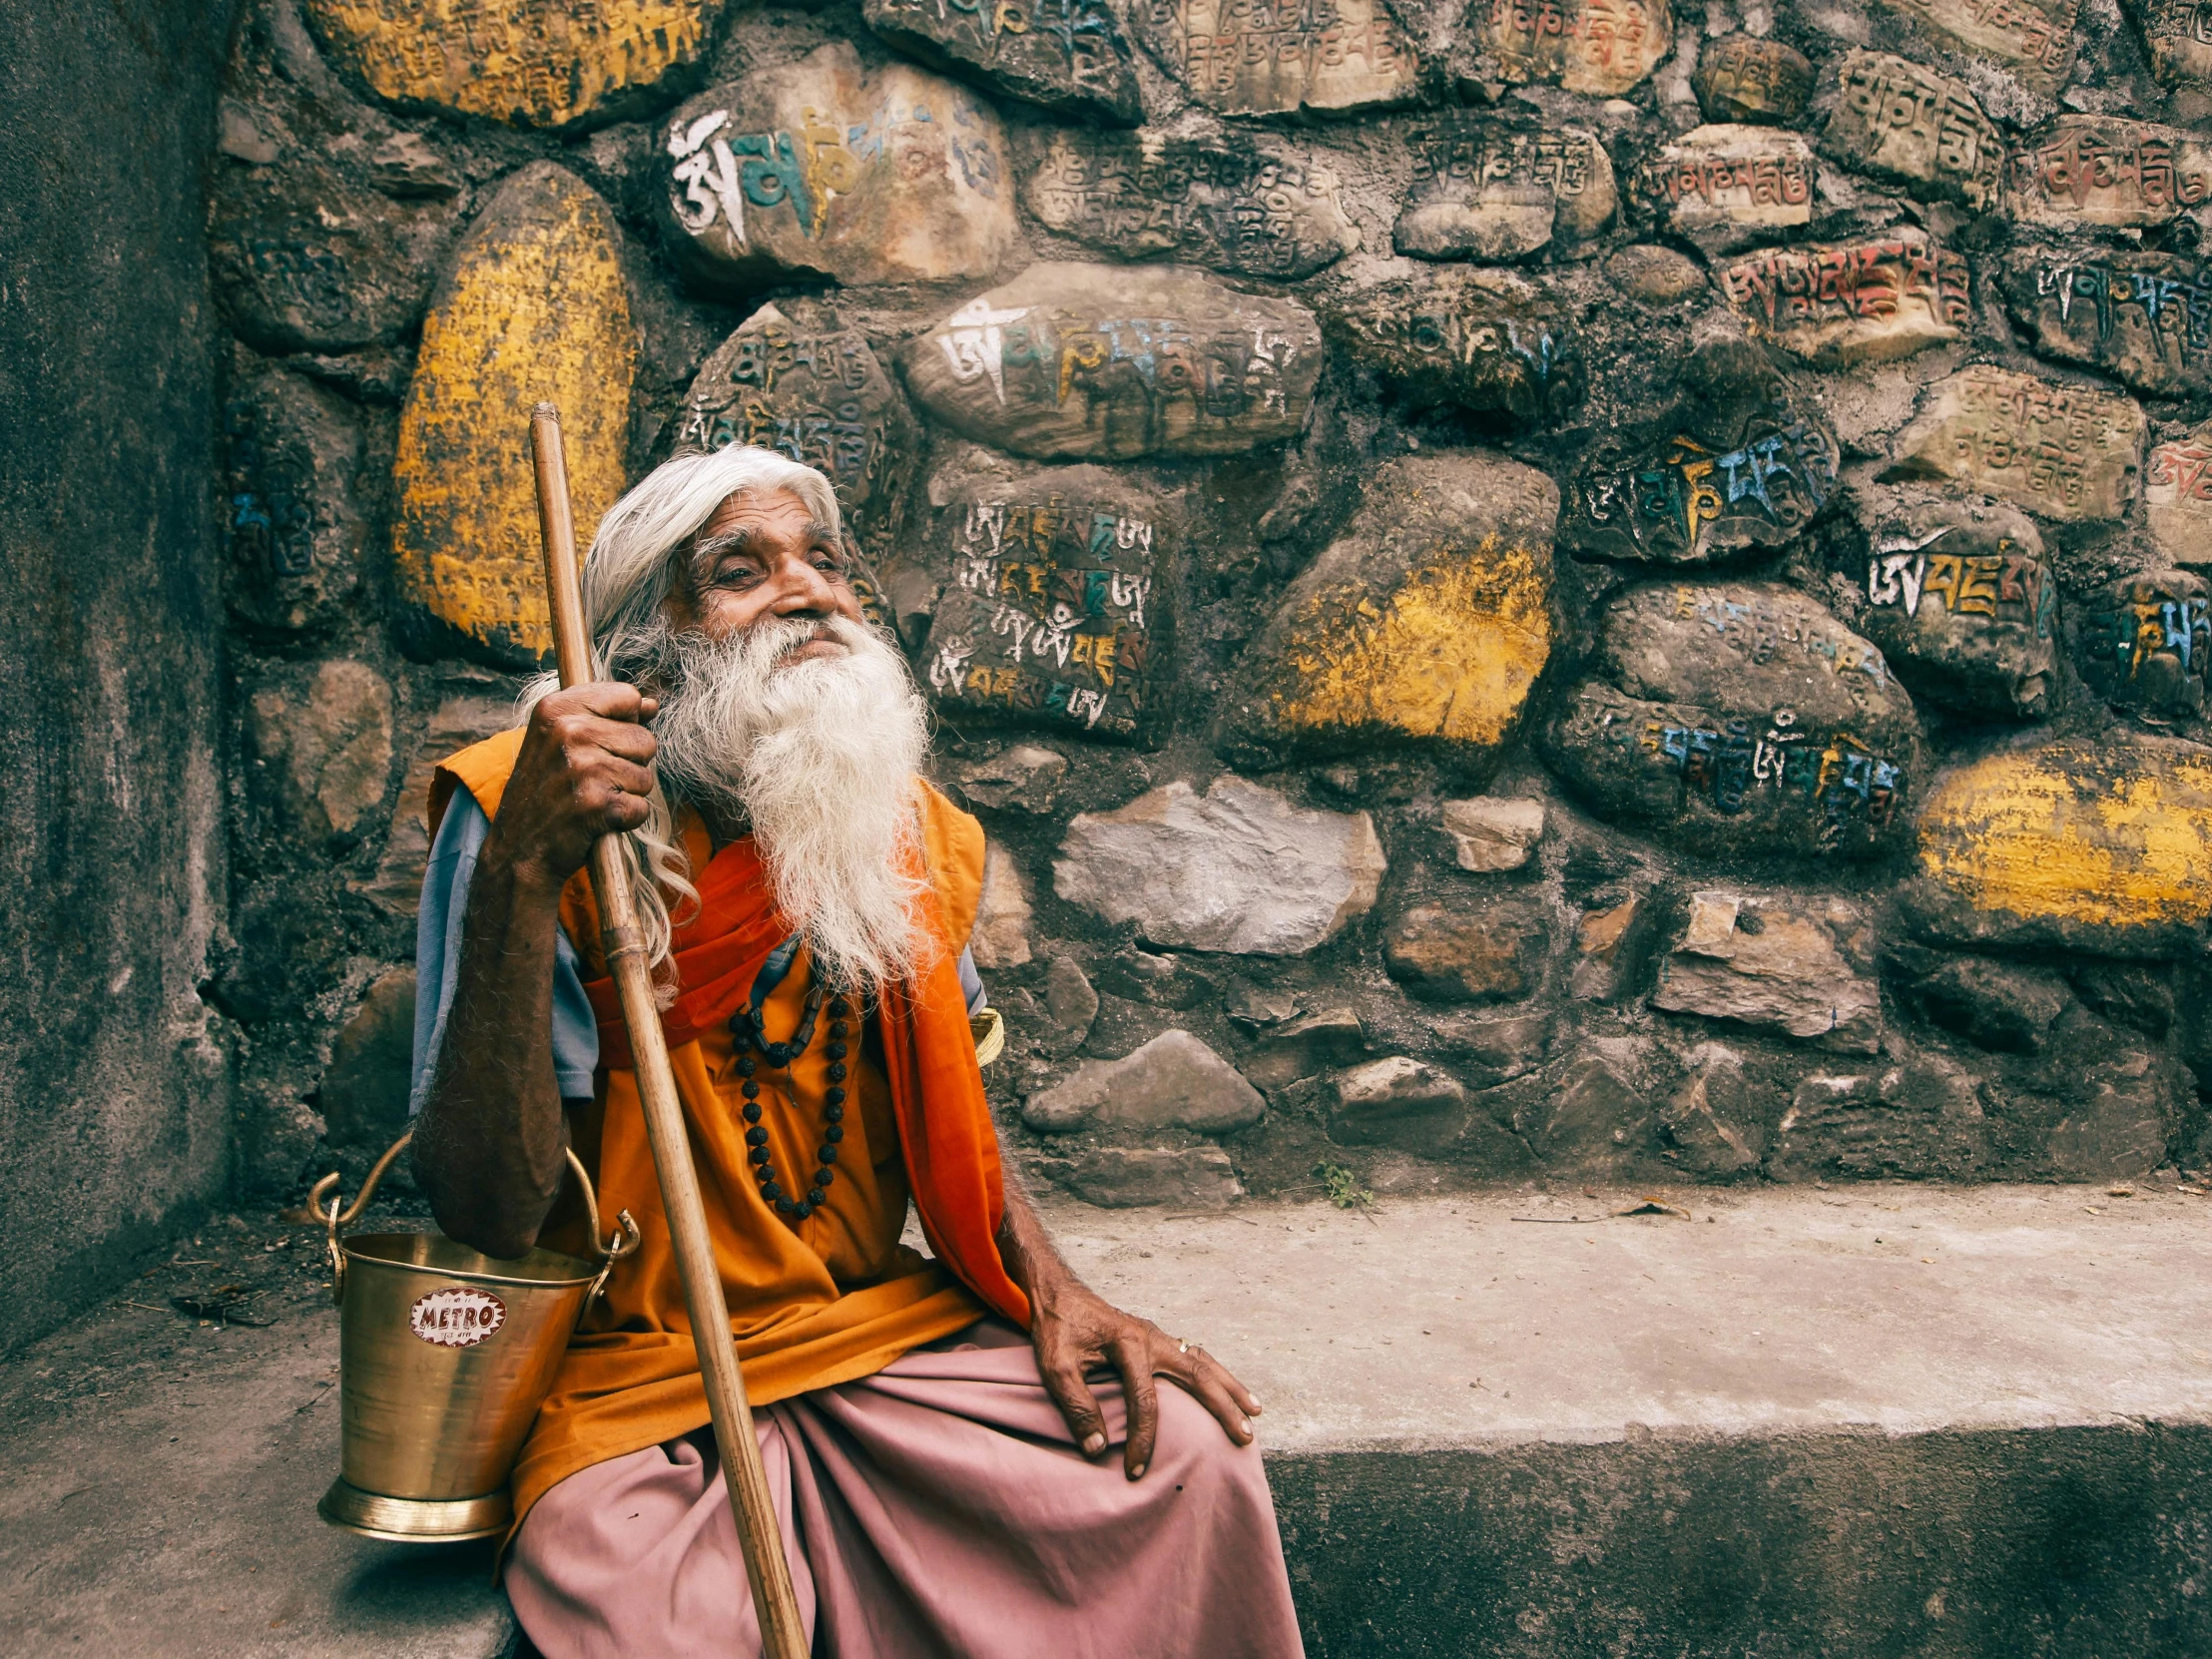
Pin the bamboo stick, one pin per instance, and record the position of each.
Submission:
(758, 1535)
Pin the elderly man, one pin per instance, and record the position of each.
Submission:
(939, 1446)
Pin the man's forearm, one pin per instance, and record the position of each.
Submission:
(489, 1142)
(1032, 1262)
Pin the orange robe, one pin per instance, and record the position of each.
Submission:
(814, 1303)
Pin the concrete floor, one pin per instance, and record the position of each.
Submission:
(1435, 1375)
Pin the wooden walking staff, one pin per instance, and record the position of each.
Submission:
(777, 1608)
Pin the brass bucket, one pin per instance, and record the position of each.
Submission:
(445, 1355)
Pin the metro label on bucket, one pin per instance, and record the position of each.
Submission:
(458, 1318)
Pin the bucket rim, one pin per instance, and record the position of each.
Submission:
(584, 1274)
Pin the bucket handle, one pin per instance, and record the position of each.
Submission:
(623, 1242)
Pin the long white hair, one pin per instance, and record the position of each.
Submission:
(628, 577)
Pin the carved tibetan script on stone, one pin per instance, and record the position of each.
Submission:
(1269, 57)
(1862, 302)
(2177, 491)
(541, 61)
(2067, 452)
(2145, 318)
(1115, 362)
(1477, 338)
(2033, 37)
(1724, 187)
(818, 167)
(2145, 642)
(1741, 717)
(1688, 498)
(2101, 170)
(1600, 47)
(1050, 613)
(1746, 78)
(2179, 34)
(1232, 203)
(793, 379)
(1491, 190)
(1066, 53)
(1911, 124)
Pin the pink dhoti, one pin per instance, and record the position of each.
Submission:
(935, 1511)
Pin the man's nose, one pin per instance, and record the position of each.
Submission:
(805, 590)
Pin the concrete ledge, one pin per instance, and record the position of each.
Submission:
(1865, 1423)
(1885, 1420)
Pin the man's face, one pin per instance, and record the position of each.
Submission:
(763, 555)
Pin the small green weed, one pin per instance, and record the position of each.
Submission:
(1343, 1186)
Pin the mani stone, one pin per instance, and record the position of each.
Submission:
(328, 746)
(820, 169)
(2177, 490)
(1237, 870)
(1600, 47)
(793, 378)
(1230, 204)
(294, 514)
(2145, 642)
(1779, 963)
(1064, 54)
(1740, 717)
(2034, 38)
(2179, 35)
(396, 888)
(1483, 339)
(1051, 610)
(2064, 451)
(1173, 1082)
(1730, 185)
(534, 308)
(538, 63)
(2143, 318)
(1310, 54)
(1852, 302)
(1960, 596)
(1742, 460)
(1487, 951)
(1109, 363)
(2084, 843)
(1493, 833)
(1746, 78)
(1896, 120)
(1424, 625)
(2100, 170)
(1492, 191)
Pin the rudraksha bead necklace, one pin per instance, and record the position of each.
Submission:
(750, 1024)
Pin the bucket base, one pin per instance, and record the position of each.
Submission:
(415, 1520)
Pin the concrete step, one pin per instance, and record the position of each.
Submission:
(1870, 1421)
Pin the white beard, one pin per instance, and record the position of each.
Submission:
(820, 756)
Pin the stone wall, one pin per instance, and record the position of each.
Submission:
(1562, 589)
(114, 1111)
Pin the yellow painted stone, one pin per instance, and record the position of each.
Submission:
(1425, 623)
(533, 307)
(2078, 836)
(542, 63)
(1452, 654)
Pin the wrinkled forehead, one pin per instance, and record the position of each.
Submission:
(774, 514)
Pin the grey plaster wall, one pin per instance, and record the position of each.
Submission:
(114, 1104)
